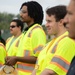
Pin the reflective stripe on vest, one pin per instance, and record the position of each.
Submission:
(54, 48)
(29, 35)
(26, 67)
(61, 62)
(38, 49)
(17, 43)
(2, 45)
(26, 53)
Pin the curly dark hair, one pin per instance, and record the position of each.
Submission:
(58, 11)
(35, 11)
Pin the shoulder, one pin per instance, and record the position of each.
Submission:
(2, 46)
(66, 41)
(36, 30)
(9, 39)
(66, 44)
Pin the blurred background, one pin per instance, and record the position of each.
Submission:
(9, 9)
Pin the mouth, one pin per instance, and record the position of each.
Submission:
(10, 29)
(48, 29)
(21, 18)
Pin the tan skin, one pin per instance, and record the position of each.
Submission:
(70, 19)
(25, 17)
(16, 31)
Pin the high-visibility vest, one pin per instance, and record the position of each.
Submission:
(30, 45)
(2, 54)
(12, 48)
(51, 57)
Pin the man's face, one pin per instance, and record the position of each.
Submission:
(51, 25)
(24, 15)
(14, 29)
(70, 19)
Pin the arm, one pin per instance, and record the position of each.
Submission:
(48, 72)
(34, 72)
(13, 60)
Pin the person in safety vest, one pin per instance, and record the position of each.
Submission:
(33, 39)
(2, 51)
(54, 59)
(70, 20)
(16, 27)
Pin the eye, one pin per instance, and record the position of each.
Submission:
(69, 13)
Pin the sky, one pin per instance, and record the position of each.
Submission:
(13, 6)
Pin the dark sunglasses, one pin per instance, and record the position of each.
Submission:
(13, 26)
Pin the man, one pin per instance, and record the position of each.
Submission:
(70, 20)
(54, 58)
(16, 27)
(33, 38)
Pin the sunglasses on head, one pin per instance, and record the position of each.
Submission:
(13, 26)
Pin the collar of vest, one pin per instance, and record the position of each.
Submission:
(29, 27)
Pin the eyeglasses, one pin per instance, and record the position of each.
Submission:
(13, 26)
(23, 11)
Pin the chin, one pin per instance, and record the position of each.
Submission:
(72, 36)
(22, 20)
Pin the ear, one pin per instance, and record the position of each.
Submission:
(20, 27)
(61, 22)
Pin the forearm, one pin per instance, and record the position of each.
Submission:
(34, 72)
(29, 59)
(14, 59)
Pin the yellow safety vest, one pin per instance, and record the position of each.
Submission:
(54, 55)
(30, 45)
(13, 48)
(2, 54)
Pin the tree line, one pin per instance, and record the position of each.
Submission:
(5, 19)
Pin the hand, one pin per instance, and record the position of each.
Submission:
(11, 61)
(7, 58)
(48, 72)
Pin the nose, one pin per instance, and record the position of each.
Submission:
(20, 14)
(46, 25)
(66, 19)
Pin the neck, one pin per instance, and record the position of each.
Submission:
(30, 23)
(17, 35)
(60, 32)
